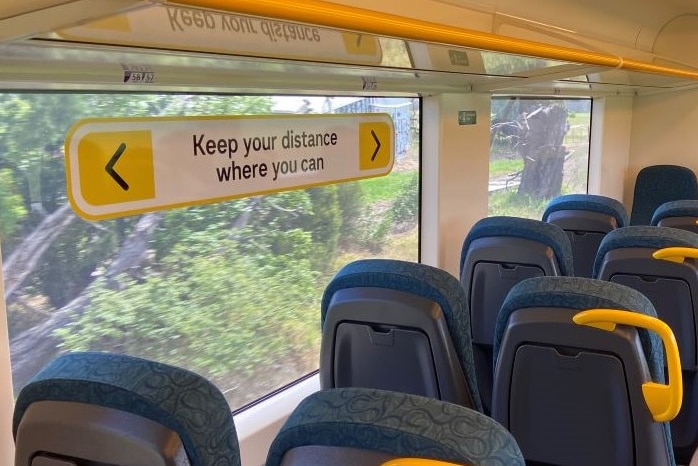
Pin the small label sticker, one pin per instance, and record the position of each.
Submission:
(458, 57)
(370, 84)
(138, 74)
(467, 117)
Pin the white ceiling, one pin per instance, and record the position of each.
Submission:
(628, 23)
(624, 22)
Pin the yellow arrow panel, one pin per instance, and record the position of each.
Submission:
(375, 144)
(116, 167)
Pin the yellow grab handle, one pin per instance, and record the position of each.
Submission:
(418, 462)
(663, 401)
(676, 254)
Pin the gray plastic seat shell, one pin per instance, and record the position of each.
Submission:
(491, 267)
(625, 257)
(557, 440)
(391, 340)
(95, 434)
(585, 231)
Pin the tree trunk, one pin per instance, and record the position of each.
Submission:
(34, 348)
(134, 248)
(26, 256)
(542, 152)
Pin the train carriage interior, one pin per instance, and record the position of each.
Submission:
(191, 189)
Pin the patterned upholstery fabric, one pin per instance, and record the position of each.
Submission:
(588, 202)
(658, 184)
(422, 280)
(178, 399)
(586, 293)
(536, 230)
(396, 423)
(683, 208)
(643, 237)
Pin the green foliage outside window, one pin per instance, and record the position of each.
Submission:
(231, 290)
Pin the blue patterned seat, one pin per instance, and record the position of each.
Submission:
(99, 407)
(497, 253)
(401, 326)
(352, 426)
(586, 218)
(625, 256)
(657, 184)
(561, 388)
(677, 214)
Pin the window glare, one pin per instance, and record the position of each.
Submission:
(539, 149)
(229, 290)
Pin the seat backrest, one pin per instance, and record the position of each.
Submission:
(497, 253)
(352, 426)
(625, 256)
(573, 394)
(677, 214)
(98, 408)
(398, 325)
(657, 184)
(586, 218)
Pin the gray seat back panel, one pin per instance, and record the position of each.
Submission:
(95, 434)
(391, 340)
(584, 386)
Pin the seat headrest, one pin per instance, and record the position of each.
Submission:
(588, 202)
(580, 294)
(181, 400)
(535, 230)
(657, 184)
(399, 424)
(639, 236)
(682, 208)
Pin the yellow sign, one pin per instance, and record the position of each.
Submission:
(126, 166)
(374, 154)
(107, 160)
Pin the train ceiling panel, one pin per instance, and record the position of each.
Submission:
(175, 46)
(631, 28)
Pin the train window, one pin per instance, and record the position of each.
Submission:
(230, 290)
(539, 149)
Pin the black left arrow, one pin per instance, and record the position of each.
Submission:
(109, 167)
(378, 146)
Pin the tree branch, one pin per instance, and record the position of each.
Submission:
(25, 258)
(32, 349)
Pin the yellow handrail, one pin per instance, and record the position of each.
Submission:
(333, 15)
(663, 401)
(675, 254)
(418, 462)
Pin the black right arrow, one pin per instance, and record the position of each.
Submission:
(378, 146)
(109, 167)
